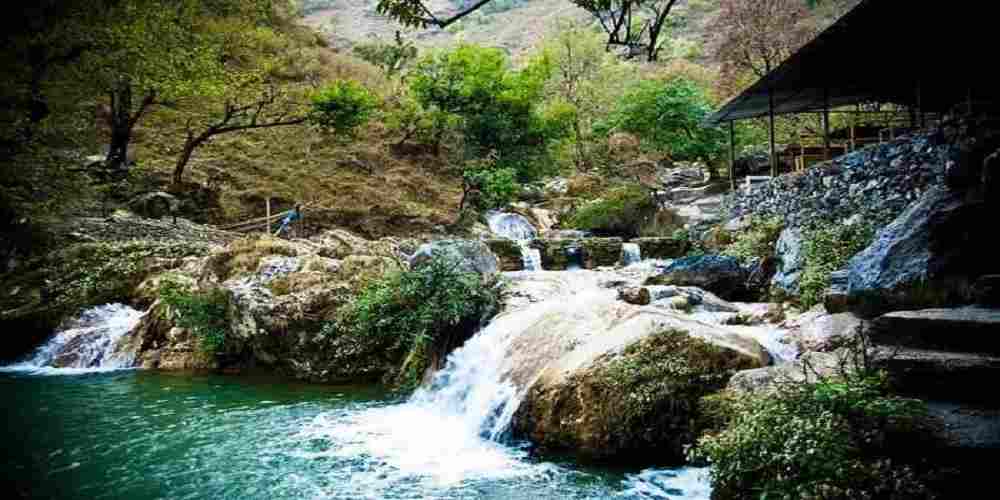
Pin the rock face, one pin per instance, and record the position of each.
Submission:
(788, 250)
(720, 274)
(508, 253)
(661, 248)
(472, 256)
(631, 404)
(930, 255)
(967, 329)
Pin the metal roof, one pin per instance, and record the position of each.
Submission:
(884, 51)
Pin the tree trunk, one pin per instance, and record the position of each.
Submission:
(121, 125)
(189, 146)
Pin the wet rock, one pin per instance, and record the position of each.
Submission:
(508, 252)
(471, 256)
(635, 295)
(641, 401)
(720, 274)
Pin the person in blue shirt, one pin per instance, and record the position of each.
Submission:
(294, 215)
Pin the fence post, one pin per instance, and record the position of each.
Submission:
(267, 220)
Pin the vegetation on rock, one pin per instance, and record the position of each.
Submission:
(757, 241)
(825, 250)
(622, 211)
(424, 312)
(201, 311)
(840, 436)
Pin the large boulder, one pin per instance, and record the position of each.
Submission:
(155, 205)
(788, 250)
(722, 275)
(471, 256)
(634, 403)
(929, 256)
(817, 330)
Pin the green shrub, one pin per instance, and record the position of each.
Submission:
(497, 187)
(391, 57)
(622, 211)
(342, 106)
(758, 241)
(423, 309)
(825, 250)
(202, 312)
(838, 437)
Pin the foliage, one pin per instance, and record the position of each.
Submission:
(827, 249)
(497, 187)
(757, 241)
(621, 211)
(667, 115)
(422, 307)
(202, 312)
(343, 106)
(840, 436)
(497, 106)
(391, 57)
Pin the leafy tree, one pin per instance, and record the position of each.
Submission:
(668, 115)
(391, 57)
(497, 106)
(343, 106)
(586, 79)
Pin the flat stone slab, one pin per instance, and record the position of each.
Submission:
(946, 375)
(966, 329)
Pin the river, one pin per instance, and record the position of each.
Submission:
(136, 434)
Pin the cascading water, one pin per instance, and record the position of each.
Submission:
(631, 254)
(90, 343)
(516, 227)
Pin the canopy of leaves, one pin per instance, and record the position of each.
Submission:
(668, 115)
(343, 106)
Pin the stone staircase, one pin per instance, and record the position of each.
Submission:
(951, 359)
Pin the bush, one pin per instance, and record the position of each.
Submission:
(838, 437)
(497, 188)
(342, 106)
(435, 305)
(202, 312)
(758, 241)
(622, 211)
(825, 250)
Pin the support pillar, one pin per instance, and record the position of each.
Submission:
(828, 155)
(732, 155)
(770, 117)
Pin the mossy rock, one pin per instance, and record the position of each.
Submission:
(661, 248)
(63, 283)
(594, 252)
(508, 252)
(637, 405)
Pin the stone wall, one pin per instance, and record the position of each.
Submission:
(876, 183)
(661, 248)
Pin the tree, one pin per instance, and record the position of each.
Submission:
(634, 24)
(497, 106)
(755, 36)
(150, 52)
(668, 115)
(587, 79)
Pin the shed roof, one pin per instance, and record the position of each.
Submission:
(883, 51)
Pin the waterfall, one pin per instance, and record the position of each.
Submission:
(631, 254)
(89, 343)
(516, 227)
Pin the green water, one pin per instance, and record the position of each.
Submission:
(140, 435)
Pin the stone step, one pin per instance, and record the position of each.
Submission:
(966, 329)
(933, 374)
(968, 440)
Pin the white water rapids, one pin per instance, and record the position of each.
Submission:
(516, 227)
(89, 344)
